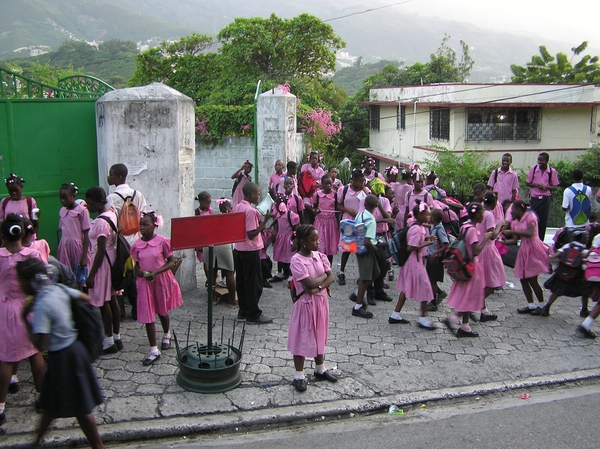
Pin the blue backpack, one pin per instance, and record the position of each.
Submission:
(581, 207)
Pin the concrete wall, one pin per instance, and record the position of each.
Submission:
(151, 130)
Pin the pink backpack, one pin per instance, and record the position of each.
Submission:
(592, 266)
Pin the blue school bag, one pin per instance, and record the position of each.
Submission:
(581, 207)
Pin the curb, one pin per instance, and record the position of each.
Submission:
(233, 422)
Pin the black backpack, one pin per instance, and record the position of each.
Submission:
(399, 246)
(90, 331)
(118, 273)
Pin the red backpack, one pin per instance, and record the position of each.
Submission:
(306, 184)
(456, 260)
(570, 262)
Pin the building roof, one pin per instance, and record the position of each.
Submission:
(487, 95)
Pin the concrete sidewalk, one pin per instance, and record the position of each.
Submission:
(378, 364)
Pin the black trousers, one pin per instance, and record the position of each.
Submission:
(248, 282)
(541, 206)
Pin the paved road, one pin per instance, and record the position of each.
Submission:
(378, 364)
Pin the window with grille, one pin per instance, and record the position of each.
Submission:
(439, 123)
(374, 113)
(401, 117)
(487, 124)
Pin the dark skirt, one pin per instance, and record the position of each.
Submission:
(573, 288)
(70, 388)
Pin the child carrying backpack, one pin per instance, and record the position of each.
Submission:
(569, 277)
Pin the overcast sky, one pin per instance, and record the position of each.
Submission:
(571, 21)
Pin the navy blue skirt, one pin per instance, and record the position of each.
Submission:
(70, 388)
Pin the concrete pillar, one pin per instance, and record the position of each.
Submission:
(276, 128)
(150, 129)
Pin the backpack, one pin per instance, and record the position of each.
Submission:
(581, 207)
(90, 331)
(129, 216)
(118, 270)
(29, 206)
(399, 246)
(289, 217)
(570, 262)
(456, 259)
(295, 296)
(306, 184)
(592, 266)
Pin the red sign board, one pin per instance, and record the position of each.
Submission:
(207, 230)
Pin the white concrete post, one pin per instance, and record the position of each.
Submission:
(150, 129)
(276, 128)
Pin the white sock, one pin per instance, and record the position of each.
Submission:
(357, 306)
(541, 304)
(107, 342)
(116, 336)
(426, 321)
(167, 335)
(14, 379)
(320, 368)
(2, 405)
(587, 323)
(531, 305)
(396, 316)
(341, 272)
(299, 375)
(154, 350)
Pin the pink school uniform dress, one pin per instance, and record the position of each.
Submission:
(411, 198)
(412, 277)
(19, 207)
(163, 293)
(282, 248)
(336, 184)
(102, 290)
(489, 257)
(382, 228)
(43, 248)
(326, 223)
(309, 320)
(316, 172)
(400, 191)
(274, 181)
(352, 200)
(72, 223)
(532, 258)
(238, 194)
(14, 342)
(468, 296)
(372, 174)
(200, 212)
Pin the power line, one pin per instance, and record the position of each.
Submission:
(367, 10)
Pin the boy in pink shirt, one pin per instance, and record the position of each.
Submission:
(541, 180)
(246, 255)
(504, 181)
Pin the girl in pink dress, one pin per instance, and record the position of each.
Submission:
(309, 320)
(103, 248)
(490, 259)
(30, 241)
(15, 203)
(14, 341)
(158, 291)
(324, 203)
(418, 193)
(335, 181)
(276, 178)
(286, 211)
(532, 258)
(468, 296)
(413, 281)
(74, 225)
(368, 165)
(241, 176)
(317, 172)
(204, 208)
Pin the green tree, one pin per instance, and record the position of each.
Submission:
(546, 69)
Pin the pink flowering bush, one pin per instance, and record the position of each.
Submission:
(202, 129)
(319, 126)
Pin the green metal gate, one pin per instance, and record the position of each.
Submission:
(48, 137)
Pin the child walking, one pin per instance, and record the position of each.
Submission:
(412, 277)
(532, 258)
(309, 320)
(242, 177)
(74, 224)
(468, 296)
(158, 291)
(435, 253)
(324, 204)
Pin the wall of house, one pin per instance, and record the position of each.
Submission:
(565, 133)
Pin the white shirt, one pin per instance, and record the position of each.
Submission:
(567, 203)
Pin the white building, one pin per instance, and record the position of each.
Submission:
(406, 123)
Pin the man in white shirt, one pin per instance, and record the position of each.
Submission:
(117, 176)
